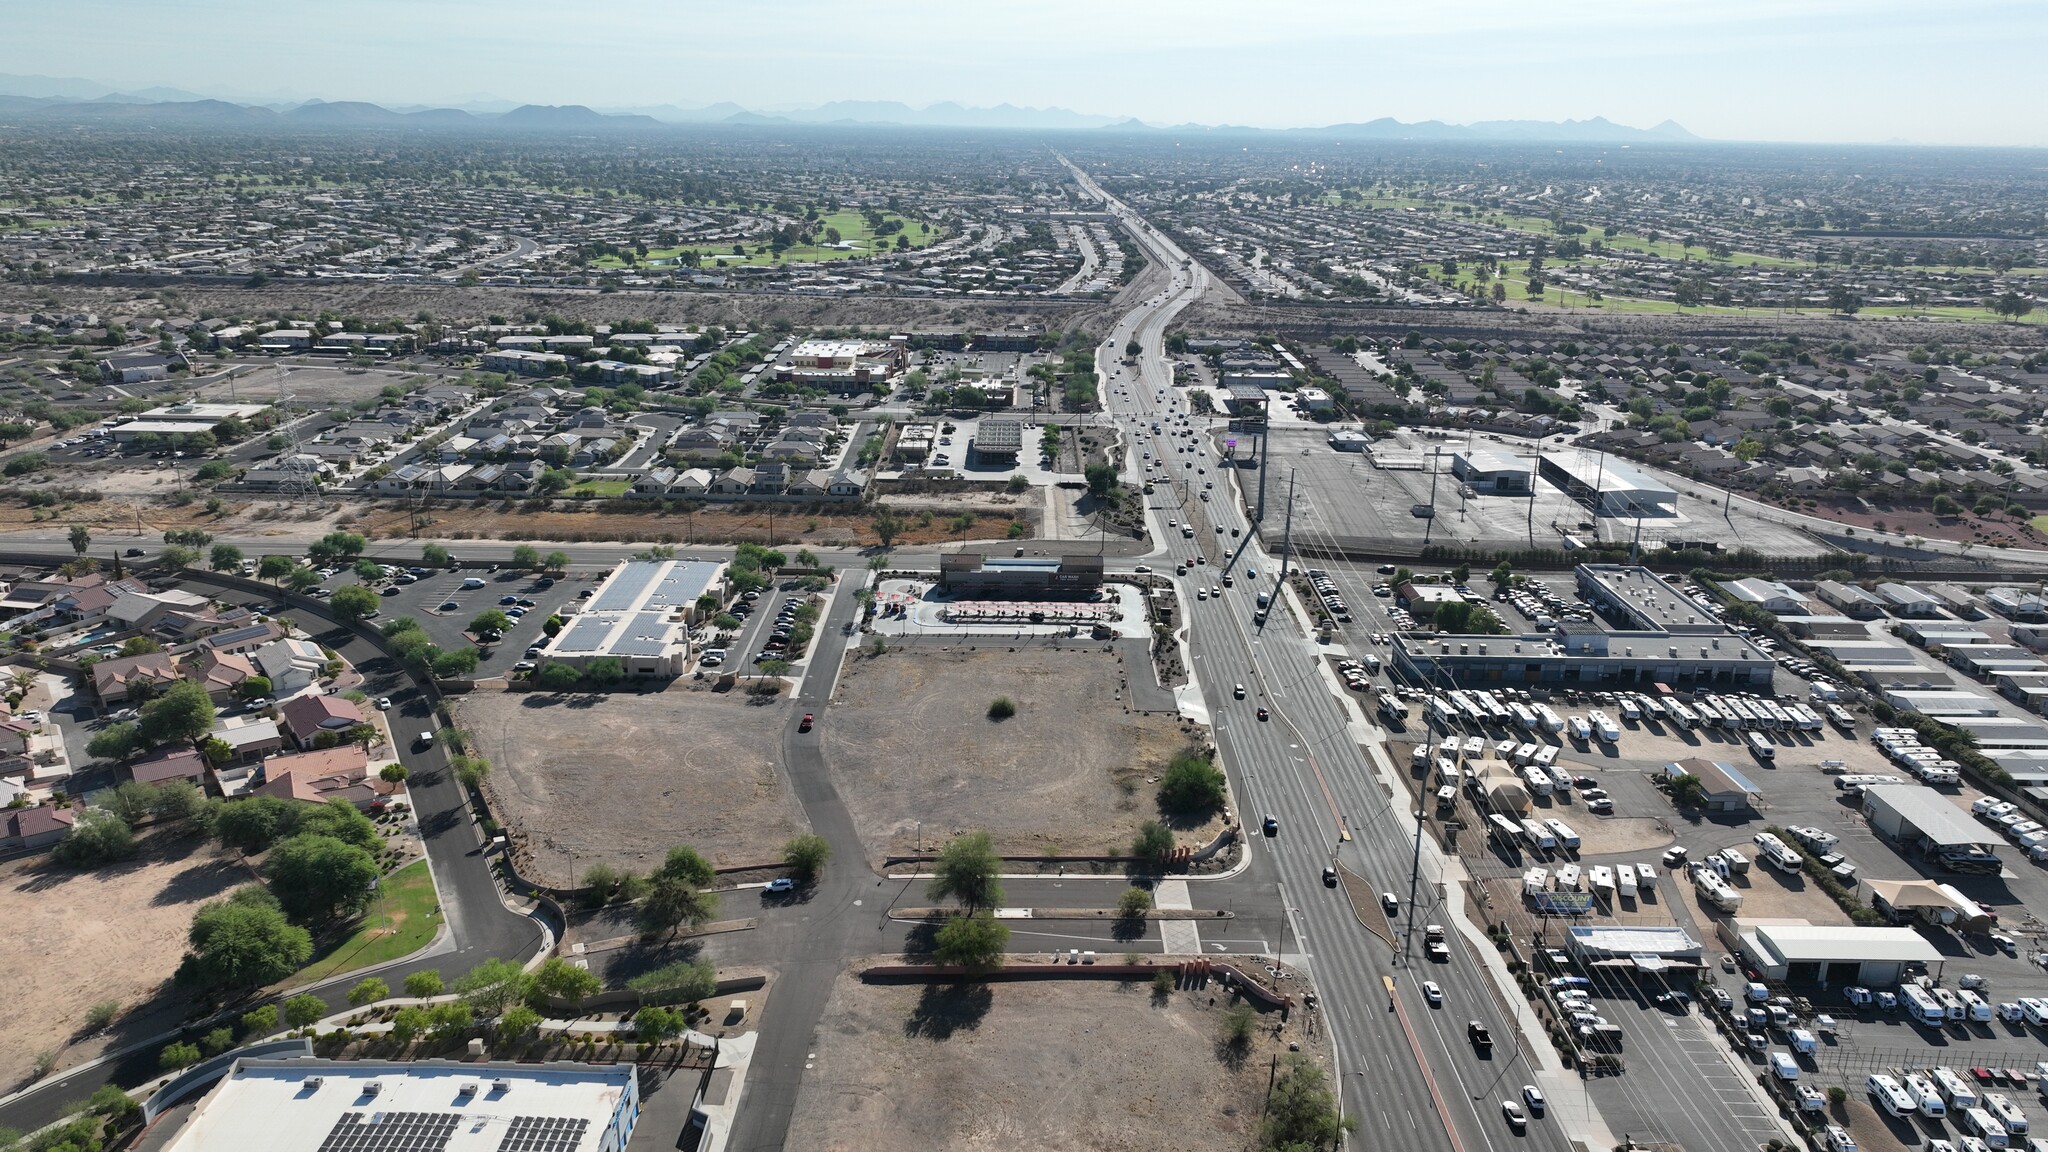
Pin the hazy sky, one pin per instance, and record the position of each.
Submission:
(1936, 71)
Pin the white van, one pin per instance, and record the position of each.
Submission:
(472, 583)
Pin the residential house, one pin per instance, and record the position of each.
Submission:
(126, 678)
(222, 673)
(292, 665)
(306, 717)
(174, 764)
(37, 827)
(652, 485)
(319, 776)
(247, 638)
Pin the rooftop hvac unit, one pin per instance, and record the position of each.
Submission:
(373, 1087)
(1674, 651)
(501, 1085)
(467, 1090)
(312, 1083)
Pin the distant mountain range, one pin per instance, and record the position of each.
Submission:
(69, 100)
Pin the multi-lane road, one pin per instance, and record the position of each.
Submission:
(1406, 1068)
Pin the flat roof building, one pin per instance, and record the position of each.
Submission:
(970, 574)
(1920, 821)
(640, 616)
(1493, 473)
(1723, 788)
(1804, 953)
(1607, 484)
(999, 441)
(1770, 595)
(306, 1105)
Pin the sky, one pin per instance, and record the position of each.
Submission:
(1924, 71)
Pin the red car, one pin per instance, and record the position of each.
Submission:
(805, 726)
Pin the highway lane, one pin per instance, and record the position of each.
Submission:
(1305, 765)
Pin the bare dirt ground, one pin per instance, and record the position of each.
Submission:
(311, 385)
(621, 778)
(74, 939)
(1068, 1065)
(910, 742)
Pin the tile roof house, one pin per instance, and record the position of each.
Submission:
(116, 679)
(305, 717)
(244, 639)
(37, 827)
(317, 777)
(167, 766)
(222, 672)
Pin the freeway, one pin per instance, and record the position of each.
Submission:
(1305, 766)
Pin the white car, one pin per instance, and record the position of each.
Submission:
(1432, 993)
(1533, 1097)
(383, 703)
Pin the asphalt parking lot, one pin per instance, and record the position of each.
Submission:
(422, 601)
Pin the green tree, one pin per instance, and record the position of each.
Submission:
(435, 556)
(1101, 479)
(1687, 790)
(275, 568)
(81, 538)
(97, 837)
(131, 800)
(604, 672)
(368, 571)
(115, 742)
(424, 984)
(179, 1055)
(672, 901)
(177, 801)
(303, 1010)
(681, 982)
(301, 578)
(1191, 784)
(454, 665)
(1154, 843)
(241, 942)
(1302, 1111)
(318, 878)
(336, 548)
(2010, 305)
(967, 871)
(260, 1022)
(558, 677)
(525, 557)
(1134, 903)
(368, 990)
(556, 562)
(224, 558)
(491, 620)
(653, 1024)
(517, 1022)
(805, 856)
(494, 985)
(561, 980)
(1002, 708)
(253, 824)
(177, 556)
(351, 603)
(975, 941)
(410, 1023)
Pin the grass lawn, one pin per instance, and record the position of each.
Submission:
(401, 920)
(853, 230)
(604, 488)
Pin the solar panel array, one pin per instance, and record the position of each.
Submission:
(645, 634)
(585, 634)
(544, 1134)
(624, 589)
(681, 586)
(391, 1132)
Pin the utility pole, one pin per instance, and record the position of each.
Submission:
(1286, 541)
(1414, 884)
(1261, 517)
(1436, 460)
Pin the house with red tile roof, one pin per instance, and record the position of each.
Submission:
(305, 717)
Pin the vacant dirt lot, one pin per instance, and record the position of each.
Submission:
(909, 741)
(74, 939)
(621, 778)
(1068, 1065)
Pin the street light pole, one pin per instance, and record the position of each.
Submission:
(1414, 883)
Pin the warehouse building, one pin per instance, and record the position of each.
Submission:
(1657, 635)
(971, 575)
(308, 1105)
(1802, 953)
(1772, 596)
(1723, 788)
(1851, 599)
(1493, 473)
(1646, 949)
(1607, 484)
(1922, 822)
(640, 616)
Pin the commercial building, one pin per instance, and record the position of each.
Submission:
(1723, 788)
(1644, 949)
(1658, 636)
(969, 575)
(1851, 599)
(1607, 484)
(640, 616)
(998, 441)
(1803, 953)
(1770, 595)
(1906, 600)
(307, 1105)
(1493, 473)
(515, 362)
(1922, 822)
(843, 367)
(181, 420)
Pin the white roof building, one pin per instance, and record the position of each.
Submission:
(1770, 595)
(415, 1106)
(640, 616)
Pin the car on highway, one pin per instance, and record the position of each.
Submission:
(782, 884)
(1516, 1118)
(1271, 825)
(1433, 993)
(1533, 1097)
(1390, 903)
(804, 725)
(1478, 1035)
(1264, 715)
(1237, 691)
(1329, 877)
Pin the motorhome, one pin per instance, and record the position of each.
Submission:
(1538, 837)
(1604, 726)
(1565, 836)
